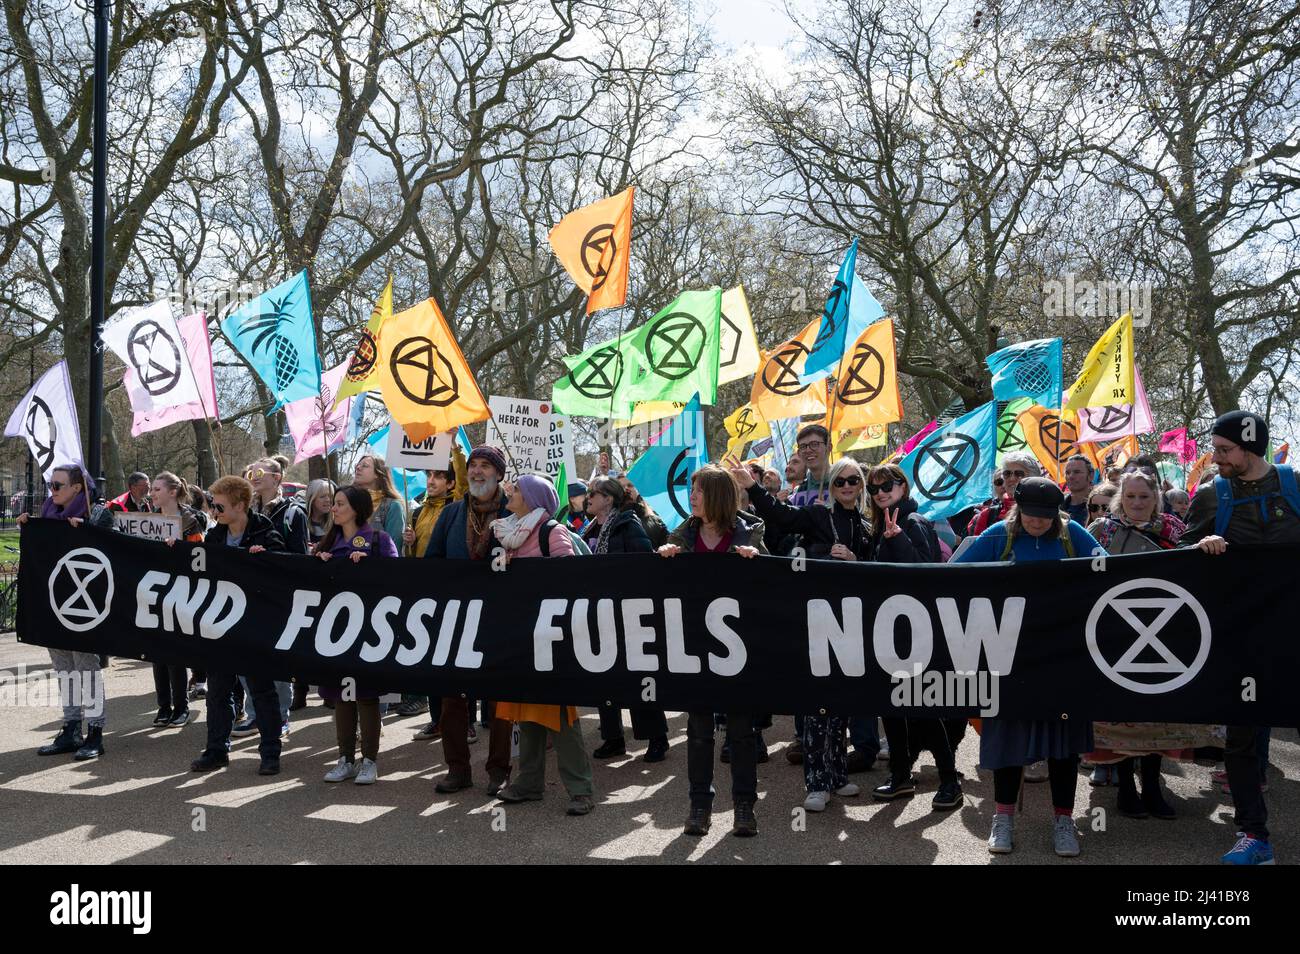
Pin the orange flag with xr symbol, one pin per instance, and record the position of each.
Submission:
(594, 246)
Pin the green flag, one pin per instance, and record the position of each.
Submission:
(598, 381)
(677, 351)
(1011, 436)
(562, 491)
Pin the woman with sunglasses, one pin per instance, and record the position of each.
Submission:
(837, 532)
(353, 538)
(1016, 466)
(899, 534)
(70, 490)
(1135, 523)
(1035, 530)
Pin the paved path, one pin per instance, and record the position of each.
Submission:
(140, 803)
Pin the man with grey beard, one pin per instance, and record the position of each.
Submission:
(464, 532)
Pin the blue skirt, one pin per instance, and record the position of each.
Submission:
(1011, 743)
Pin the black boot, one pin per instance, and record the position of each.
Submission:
(94, 745)
(68, 740)
(299, 696)
(1128, 803)
(1152, 798)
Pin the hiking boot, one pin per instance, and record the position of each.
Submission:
(746, 824)
(68, 740)
(698, 822)
(93, 747)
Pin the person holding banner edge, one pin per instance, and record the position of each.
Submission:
(171, 682)
(1250, 501)
(70, 490)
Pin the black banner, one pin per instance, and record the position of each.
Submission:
(1178, 636)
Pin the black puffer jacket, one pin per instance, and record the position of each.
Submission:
(918, 543)
(290, 522)
(260, 532)
(626, 534)
(820, 527)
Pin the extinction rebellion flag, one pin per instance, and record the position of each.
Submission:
(1144, 637)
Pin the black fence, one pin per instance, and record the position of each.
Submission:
(8, 597)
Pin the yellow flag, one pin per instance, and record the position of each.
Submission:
(738, 354)
(594, 245)
(873, 435)
(1052, 436)
(644, 411)
(743, 425)
(866, 382)
(361, 374)
(777, 392)
(425, 379)
(1106, 378)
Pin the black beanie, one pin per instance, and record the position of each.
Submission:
(1237, 425)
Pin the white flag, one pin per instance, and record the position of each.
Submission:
(158, 372)
(47, 417)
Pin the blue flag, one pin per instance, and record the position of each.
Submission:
(783, 433)
(662, 475)
(1028, 369)
(863, 310)
(952, 469)
(409, 483)
(356, 421)
(833, 333)
(463, 439)
(275, 334)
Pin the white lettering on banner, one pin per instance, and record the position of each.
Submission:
(148, 526)
(998, 638)
(432, 453)
(549, 630)
(179, 607)
(534, 439)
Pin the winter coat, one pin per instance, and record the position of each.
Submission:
(626, 534)
(917, 543)
(819, 526)
(747, 531)
(260, 532)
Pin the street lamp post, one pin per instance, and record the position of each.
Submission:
(98, 204)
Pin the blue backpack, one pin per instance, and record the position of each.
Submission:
(1223, 491)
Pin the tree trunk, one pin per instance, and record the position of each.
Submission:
(115, 478)
(206, 463)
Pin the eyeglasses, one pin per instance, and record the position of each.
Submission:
(262, 472)
(884, 488)
(851, 481)
(598, 493)
(1018, 474)
(809, 445)
(57, 485)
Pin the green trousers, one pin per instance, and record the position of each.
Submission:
(570, 754)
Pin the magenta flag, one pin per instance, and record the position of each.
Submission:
(1177, 442)
(317, 425)
(915, 439)
(194, 329)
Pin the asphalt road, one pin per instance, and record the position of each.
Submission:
(140, 803)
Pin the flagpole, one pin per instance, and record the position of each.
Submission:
(98, 209)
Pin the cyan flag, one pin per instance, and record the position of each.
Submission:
(357, 419)
(463, 438)
(833, 335)
(409, 483)
(952, 469)
(1029, 369)
(863, 310)
(662, 475)
(275, 334)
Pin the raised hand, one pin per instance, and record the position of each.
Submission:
(892, 528)
(743, 475)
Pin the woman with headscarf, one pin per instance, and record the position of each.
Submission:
(70, 490)
(528, 531)
(353, 538)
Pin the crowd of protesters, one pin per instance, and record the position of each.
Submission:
(819, 511)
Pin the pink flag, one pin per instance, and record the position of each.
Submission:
(194, 329)
(911, 442)
(1106, 424)
(1171, 442)
(317, 429)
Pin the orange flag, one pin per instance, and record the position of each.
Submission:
(594, 245)
(425, 380)
(1052, 436)
(1117, 453)
(1198, 469)
(866, 382)
(777, 392)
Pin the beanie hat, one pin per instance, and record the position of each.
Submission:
(538, 492)
(1039, 497)
(1237, 426)
(492, 456)
(577, 489)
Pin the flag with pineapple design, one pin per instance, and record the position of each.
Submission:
(275, 334)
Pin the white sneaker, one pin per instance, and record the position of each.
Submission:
(369, 773)
(1001, 839)
(1036, 772)
(341, 772)
(847, 791)
(816, 801)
